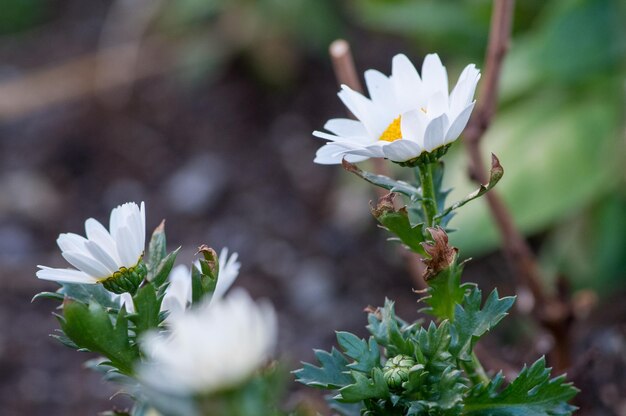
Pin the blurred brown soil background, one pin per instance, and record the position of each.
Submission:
(228, 162)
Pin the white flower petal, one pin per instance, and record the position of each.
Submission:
(457, 126)
(407, 84)
(72, 242)
(64, 275)
(229, 270)
(86, 264)
(126, 301)
(356, 139)
(127, 247)
(97, 233)
(345, 127)
(142, 230)
(437, 105)
(363, 109)
(329, 154)
(413, 124)
(433, 136)
(402, 150)
(102, 256)
(434, 76)
(381, 91)
(463, 93)
(178, 293)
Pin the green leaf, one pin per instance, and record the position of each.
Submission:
(387, 330)
(204, 280)
(445, 291)
(450, 389)
(89, 293)
(164, 268)
(432, 347)
(495, 174)
(147, 309)
(471, 322)
(365, 387)
(156, 250)
(332, 374)
(366, 356)
(91, 328)
(532, 393)
(397, 222)
(48, 295)
(384, 182)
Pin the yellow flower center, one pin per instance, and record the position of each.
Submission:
(392, 132)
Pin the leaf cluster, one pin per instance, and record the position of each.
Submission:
(437, 380)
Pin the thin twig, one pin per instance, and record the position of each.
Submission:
(551, 311)
(346, 74)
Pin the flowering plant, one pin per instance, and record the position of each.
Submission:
(170, 337)
(407, 368)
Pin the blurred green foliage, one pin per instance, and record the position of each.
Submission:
(271, 36)
(19, 15)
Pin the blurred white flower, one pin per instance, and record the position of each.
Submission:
(405, 115)
(103, 253)
(178, 294)
(217, 345)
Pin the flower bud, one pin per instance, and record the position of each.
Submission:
(126, 280)
(396, 370)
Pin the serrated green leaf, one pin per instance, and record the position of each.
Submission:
(386, 329)
(147, 309)
(445, 291)
(449, 389)
(164, 268)
(365, 387)
(397, 222)
(532, 393)
(433, 346)
(90, 328)
(63, 339)
(156, 250)
(384, 182)
(471, 322)
(416, 381)
(332, 374)
(366, 356)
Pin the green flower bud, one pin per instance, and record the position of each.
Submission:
(396, 370)
(126, 279)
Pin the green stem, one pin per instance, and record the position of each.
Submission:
(475, 371)
(429, 199)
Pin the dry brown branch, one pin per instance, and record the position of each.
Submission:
(552, 312)
(346, 74)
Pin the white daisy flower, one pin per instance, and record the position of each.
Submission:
(218, 345)
(406, 115)
(113, 257)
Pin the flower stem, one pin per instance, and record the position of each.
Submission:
(429, 199)
(475, 371)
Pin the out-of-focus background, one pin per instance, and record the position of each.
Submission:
(204, 110)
